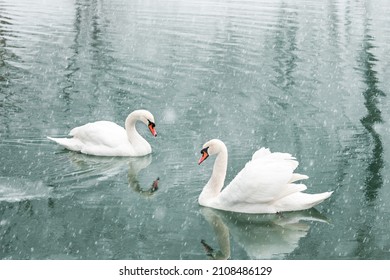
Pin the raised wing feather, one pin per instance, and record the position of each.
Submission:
(264, 179)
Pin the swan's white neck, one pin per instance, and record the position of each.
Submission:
(217, 179)
(135, 139)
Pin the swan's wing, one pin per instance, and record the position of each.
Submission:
(264, 179)
(101, 133)
(261, 153)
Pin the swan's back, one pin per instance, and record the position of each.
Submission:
(100, 133)
(265, 185)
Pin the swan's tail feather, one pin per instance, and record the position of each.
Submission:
(292, 188)
(302, 201)
(68, 143)
(318, 198)
(297, 177)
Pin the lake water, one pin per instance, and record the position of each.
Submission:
(306, 77)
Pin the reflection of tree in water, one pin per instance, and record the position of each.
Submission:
(9, 103)
(4, 53)
(367, 246)
(72, 68)
(374, 179)
(75, 61)
(89, 59)
(286, 47)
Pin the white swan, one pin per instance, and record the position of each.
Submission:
(264, 185)
(104, 138)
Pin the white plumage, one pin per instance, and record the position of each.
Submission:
(264, 185)
(105, 138)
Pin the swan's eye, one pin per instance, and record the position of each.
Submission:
(151, 124)
(204, 150)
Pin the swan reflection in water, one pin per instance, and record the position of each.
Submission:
(135, 166)
(93, 168)
(265, 236)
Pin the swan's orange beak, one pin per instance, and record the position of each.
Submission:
(205, 155)
(152, 129)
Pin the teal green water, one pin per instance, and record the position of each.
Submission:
(306, 77)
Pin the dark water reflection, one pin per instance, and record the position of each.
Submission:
(304, 77)
(367, 246)
(371, 95)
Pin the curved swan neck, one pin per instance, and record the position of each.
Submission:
(132, 133)
(219, 171)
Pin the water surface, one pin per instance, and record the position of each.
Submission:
(305, 77)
